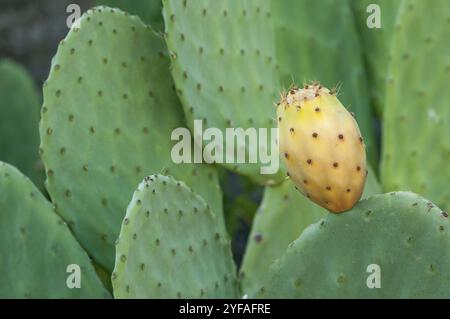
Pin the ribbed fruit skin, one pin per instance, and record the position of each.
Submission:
(322, 147)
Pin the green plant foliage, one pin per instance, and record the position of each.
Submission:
(150, 11)
(403, 234)
(416, 134)
(282, 217)
(225, 73)
(108, 114)
(19, 121)
(171, 245)
(37, 246)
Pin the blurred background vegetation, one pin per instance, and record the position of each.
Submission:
(30, 31)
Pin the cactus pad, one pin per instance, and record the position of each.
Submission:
(172, 246)
(37, 246)
(223, 64)
(416, 136)
(377, 44)
(108, 114)
(281, 218)
(402, 233)
(19, 120)
(150, 11)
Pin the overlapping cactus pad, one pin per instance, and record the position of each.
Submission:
(37, 246)
(109, 110)
(282, 217)
(416, 149)
(224, 67)
(171, 245)
(148, 10)
(403, 234)
(377, 43)
(19, 120)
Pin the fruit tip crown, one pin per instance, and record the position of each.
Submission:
(309, 91)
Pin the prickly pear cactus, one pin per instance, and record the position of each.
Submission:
(416, 143)
(150, 11)
(223, 64)
(322, 147)
(171, 246)
(109, 110)
(19, 120)
(37, 246)
(377, 43)
(281, 218)
(402, 236)
(317, 40)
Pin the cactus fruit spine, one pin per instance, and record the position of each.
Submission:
(322, 147)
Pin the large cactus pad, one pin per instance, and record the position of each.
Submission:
(401, 238)
(108, 114)
(416, 136)
(223, 63)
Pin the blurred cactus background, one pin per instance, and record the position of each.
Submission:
(87, 182)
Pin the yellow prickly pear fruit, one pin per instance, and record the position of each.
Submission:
(322, 147)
